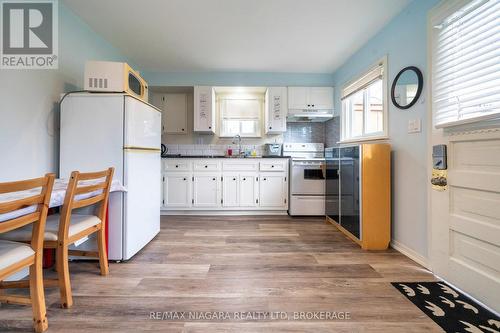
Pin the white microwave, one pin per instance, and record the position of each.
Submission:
(109, 76)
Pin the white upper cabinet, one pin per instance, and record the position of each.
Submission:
(298, 98)
(276, 110)
(174, 112)
(316, 98)
(204, 109)
(321, 98)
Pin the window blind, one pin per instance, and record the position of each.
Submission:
(466, 65)
(364, 81)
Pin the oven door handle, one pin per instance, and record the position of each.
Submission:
(319, 164)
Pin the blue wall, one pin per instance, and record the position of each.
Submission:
(404, 41)
(28, 100)
(237, 79)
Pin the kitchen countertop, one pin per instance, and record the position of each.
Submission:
(225, 157)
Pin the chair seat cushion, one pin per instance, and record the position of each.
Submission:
(78, 223)
(13, 252)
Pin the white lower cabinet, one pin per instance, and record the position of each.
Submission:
(225, 184)
(272, 190)
(206, 190)
(177, 190)
(231, 190)
(249, 190)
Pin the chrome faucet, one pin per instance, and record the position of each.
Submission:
(237, 136)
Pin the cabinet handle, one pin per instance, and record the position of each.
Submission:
(209, 127)
(176, 166)
(272, 166)
(206, 166)
(184, 178)
(265, 178)
(309, 105)
(270, 127)
(244, 179)
(234, 178)
(313, 105)
(213, 178)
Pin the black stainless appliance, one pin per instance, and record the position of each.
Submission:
(342, 202)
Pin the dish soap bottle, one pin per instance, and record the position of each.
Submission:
(254, 152)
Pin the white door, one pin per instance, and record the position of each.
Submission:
(142, 199)
(321, 98)
(272, 190)
(298, 98)
(249, 190)
(175, 113)
(206, 190)
(464, 216)
(142, 125)
(231, 190)
(177, 190)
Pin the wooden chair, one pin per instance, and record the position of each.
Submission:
(66, 228)
(16, 256)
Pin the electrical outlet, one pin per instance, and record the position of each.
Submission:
(414, 125)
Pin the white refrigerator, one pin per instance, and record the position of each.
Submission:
(99, 130)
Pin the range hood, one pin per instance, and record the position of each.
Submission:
(308, 115)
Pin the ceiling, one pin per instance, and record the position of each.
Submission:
(300, 36)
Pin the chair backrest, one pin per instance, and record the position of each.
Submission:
(85, 189)
(40, 200)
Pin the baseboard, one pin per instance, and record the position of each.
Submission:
(223, 212)
(418, 258)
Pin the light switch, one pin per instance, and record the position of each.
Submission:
(414, 125)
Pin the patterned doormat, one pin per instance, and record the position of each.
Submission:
(449, 308)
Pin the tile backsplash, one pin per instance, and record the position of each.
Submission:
(305, 132)
(327, 133)
(209, 150)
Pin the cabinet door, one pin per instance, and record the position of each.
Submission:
(204, 109)
(175, 113)
(276, 110)
(272, 190)
(231, 190)
(249, 190)
(298, 98)
(321, 98)
(177, 190)
(206, 190)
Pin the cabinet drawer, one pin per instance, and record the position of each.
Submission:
(273, 166)
(206, 166)
(242, 166)
(178, 165)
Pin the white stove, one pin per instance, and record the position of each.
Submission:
(307, 178)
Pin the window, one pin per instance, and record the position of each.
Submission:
(240, 114)
(466, 62)
(364, 106)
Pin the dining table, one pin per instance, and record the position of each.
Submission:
(56, 197)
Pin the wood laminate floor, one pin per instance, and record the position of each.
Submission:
(244, 264)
